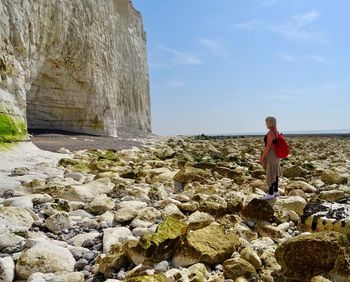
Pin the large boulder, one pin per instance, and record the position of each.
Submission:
(44, 257)
(294, 171)
(239, 268)
(209, 245)
(15, 219)
(291, 203)
(334, 177)
(160, 245)
(190, 174)
(321, 253)
(326, 216)
(7, 269)
(86, 192)
(258, 209)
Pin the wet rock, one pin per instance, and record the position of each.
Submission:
(44, 257)
(209, 245)
(7, 269)
(258, 209)
(239, 268)
(308, 255)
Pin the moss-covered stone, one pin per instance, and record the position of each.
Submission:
(191, 174)
(114, 260)
(209, 245)
(75, 165)
(162, 244)
(320, 253)
(237, 267)
(12, 128)
(109, 155)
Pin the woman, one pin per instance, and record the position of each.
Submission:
(269, 160)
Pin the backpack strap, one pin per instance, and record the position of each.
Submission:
(274, 132)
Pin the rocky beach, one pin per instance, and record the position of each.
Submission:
(88, 193)
(175, 209)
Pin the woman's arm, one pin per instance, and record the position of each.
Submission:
(270, 137)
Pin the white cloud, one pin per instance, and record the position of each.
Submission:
(215, 46)
(249, 25)
(285, 56)
(175, 84)
(182, 58)
(300, 28)
(319, 59)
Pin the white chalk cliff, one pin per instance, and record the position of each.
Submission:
(76, 65)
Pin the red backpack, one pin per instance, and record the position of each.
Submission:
(281, 146)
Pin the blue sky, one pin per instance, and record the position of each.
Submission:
(222, 66)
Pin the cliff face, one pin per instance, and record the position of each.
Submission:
(72, 65)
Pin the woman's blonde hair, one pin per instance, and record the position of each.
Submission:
(271, 121)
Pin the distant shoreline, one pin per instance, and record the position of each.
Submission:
(342, 135)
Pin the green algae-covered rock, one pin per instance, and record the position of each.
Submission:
(12, 128)
(160, 245)
(209, 245)
(320, 253)
(191, 174)
(148, 278)
(114, 260)
(237, 267)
